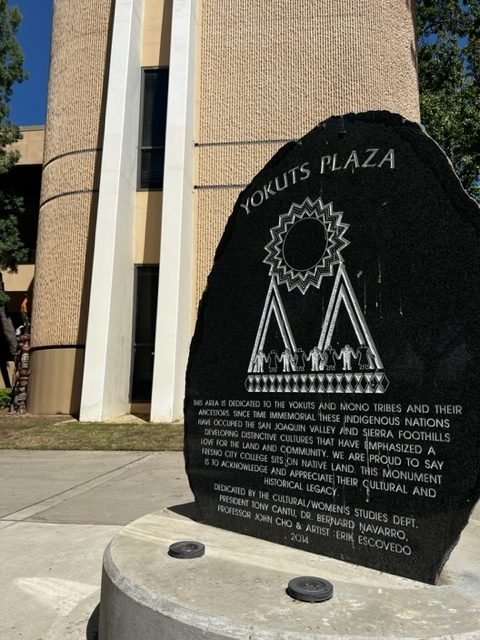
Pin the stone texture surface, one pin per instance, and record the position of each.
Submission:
(237, 590)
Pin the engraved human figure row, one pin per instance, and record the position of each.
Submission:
(346, 359)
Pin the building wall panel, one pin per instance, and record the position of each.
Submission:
(269, 70)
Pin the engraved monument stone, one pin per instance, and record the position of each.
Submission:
(333, 385)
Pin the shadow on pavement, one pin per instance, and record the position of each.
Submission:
(188, 510)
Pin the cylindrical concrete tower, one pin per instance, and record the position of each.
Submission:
(73, 143)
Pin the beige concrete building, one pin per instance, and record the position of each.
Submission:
(159, 113)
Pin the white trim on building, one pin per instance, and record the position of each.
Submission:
(173, 331)
(108, 348)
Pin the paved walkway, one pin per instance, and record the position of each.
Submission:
(58, 512)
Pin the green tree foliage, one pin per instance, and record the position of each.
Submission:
(449, 76)
(12, 249)
(11, 71)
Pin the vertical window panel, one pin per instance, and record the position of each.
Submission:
(145, 316)
(152, 128)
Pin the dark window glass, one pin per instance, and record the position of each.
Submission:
(151, 168)
(146, 286)
(25, 181)
(152, 130)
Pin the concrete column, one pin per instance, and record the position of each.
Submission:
(109, 334)
(173, 329)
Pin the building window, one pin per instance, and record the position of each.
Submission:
(145, 317)
(152, 128)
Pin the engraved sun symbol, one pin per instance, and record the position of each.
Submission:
(306, 244)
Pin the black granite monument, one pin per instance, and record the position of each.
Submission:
(333, 385)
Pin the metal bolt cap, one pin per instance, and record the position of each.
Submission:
(186, 549)
(310, 589)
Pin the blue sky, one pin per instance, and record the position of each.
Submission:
(28, 104)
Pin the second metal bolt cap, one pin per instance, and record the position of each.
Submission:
(310, 589)
(186, 549)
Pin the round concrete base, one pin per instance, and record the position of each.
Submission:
(237, 590)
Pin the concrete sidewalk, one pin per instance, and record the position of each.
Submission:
(58, 512)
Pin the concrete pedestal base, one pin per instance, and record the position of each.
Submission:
(237, 590)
